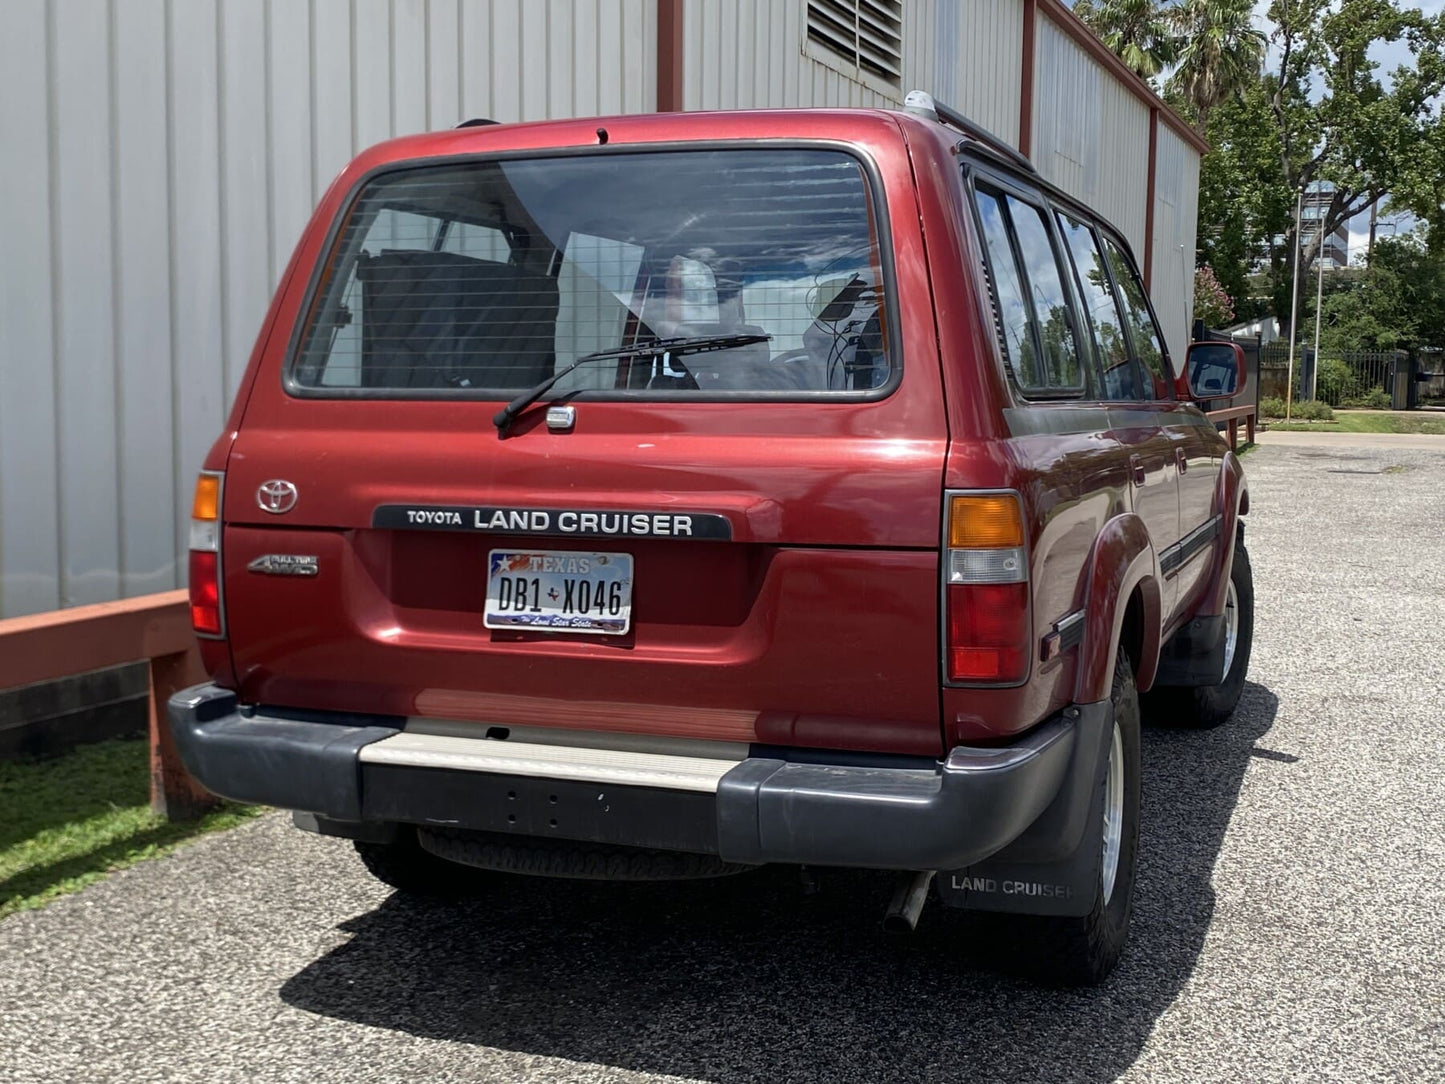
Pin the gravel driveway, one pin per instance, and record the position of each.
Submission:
(1289, 921)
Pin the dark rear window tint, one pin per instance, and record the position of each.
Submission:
(490, 276)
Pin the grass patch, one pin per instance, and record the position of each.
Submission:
(71, 820)
(1367, 421)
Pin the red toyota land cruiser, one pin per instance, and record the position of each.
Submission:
(664, 496)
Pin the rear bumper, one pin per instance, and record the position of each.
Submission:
(774, 806)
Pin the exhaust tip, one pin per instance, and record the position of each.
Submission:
(907, 904)
(899, 923)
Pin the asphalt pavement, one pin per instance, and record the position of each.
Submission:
(1289, 925)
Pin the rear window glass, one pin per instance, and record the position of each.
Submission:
(492, 276)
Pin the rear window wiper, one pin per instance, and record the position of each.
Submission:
(694, 344)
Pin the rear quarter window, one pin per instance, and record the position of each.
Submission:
(1034, 308)
(482, 278)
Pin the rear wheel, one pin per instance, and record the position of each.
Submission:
(1207, 706)
(404, 866)
(1082, 951)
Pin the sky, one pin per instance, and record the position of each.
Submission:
(1389, 55)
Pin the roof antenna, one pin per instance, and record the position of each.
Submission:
(601, 136)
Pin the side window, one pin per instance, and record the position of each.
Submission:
(1059, 352)
(1008, 286)
(1110, 343)
(1160, 382)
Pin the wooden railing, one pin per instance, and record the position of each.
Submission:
(155, 629)
(1232, 415)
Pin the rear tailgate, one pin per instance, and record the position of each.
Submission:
(804, 613)
(815, 624)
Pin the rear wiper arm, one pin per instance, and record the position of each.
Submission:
(693, 344)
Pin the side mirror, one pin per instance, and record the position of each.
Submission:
(1215, 370)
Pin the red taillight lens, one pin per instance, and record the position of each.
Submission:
(205, 593)
(988, 631)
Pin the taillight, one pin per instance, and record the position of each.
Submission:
(986, 591)
(205, 593)
(207, 613)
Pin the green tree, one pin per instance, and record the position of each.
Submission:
(1220, 53)
(1244, 202)
(1421, 188)
(1397, 303)
(1138, 32)
(1336, 120)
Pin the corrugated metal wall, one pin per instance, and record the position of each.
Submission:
(1176, 218)
(987, 61)
(1090, 135)
(1091, 138)
(746, 54)
(158, 159)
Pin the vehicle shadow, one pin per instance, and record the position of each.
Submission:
(746, 978)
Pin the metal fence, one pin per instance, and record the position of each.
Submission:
(1344, 379)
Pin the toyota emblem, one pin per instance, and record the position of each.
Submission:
(276, 496)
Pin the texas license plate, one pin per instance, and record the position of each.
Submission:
(559, 591)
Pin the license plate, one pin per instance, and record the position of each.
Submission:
(559, 591)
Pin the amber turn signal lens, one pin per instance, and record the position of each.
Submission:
(992, 521)
(207, 502)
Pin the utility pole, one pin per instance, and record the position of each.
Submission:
(1319, 298)
(1293, 303)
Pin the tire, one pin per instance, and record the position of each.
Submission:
(1206, 706)
(1082, 951)
(404, 866)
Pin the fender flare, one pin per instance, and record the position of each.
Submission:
(1231, 501)
(1122, 560)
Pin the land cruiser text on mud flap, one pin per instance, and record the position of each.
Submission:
(804, 487)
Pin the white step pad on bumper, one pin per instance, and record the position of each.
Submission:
(628, 767)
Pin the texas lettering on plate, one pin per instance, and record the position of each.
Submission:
(559, 591)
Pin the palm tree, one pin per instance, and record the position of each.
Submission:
(1220, 53)
(1138, 32)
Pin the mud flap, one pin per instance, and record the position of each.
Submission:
(1053, 867)
(1194, 655)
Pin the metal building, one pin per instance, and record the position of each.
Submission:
(158, 159)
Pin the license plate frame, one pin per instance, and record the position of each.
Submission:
(603, 580)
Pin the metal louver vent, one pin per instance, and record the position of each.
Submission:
(867, 35)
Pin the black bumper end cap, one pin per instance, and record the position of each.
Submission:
(311, 765)
(971, 806)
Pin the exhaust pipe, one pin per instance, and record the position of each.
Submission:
(908, 900)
